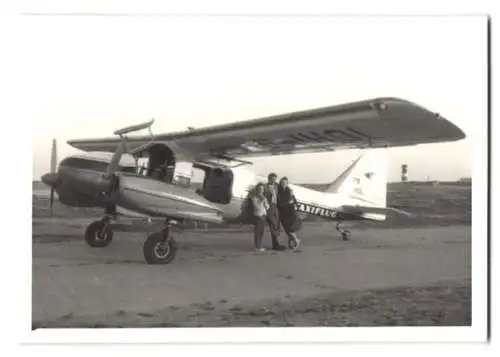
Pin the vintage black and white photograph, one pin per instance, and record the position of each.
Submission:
(258, 171)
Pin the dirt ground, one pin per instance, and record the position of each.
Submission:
(412, 276)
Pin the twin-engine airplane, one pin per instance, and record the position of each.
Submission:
(359, 193)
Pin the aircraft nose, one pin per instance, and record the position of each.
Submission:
(50, 179)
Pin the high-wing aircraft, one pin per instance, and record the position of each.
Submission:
(103, 177)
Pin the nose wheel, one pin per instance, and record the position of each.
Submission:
(99, 233)
(160, 247)
(346, 235)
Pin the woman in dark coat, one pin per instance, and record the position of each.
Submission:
(287, 213)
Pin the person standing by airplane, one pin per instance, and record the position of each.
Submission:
(260, 207)
(273, 220)
(287, 212)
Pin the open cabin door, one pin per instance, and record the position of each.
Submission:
(159, 163)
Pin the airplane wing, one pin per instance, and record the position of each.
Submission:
(377, 210)
(381, 122)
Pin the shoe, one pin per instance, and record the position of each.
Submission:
(278, 247)
(260, 249)
(297, 245)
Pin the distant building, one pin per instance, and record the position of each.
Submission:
(404, 173)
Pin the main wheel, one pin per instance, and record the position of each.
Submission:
(98, 234)
(158, 249)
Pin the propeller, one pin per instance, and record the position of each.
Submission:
(53, 167)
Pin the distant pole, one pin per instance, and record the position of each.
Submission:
(404, 173)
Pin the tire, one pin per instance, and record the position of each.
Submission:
(92, 235)
(158, 250)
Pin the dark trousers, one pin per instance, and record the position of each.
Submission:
(259, 225)
(273, 220)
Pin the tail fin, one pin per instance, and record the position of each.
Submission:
(364, 179)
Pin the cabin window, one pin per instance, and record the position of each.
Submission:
(218, 185)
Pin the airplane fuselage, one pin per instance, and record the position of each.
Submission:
(80, 183)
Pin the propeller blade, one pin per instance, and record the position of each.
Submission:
(53, 156)
(51, 201)
(115, 160)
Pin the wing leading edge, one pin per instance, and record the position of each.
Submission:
(381, 122)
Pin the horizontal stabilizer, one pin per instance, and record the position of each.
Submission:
(377, 210)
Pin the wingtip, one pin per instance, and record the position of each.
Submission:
(448, 131)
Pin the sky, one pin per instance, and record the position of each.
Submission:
(89, 76)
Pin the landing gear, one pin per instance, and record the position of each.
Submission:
(346, 235)
(159, 247)
(99, 234)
